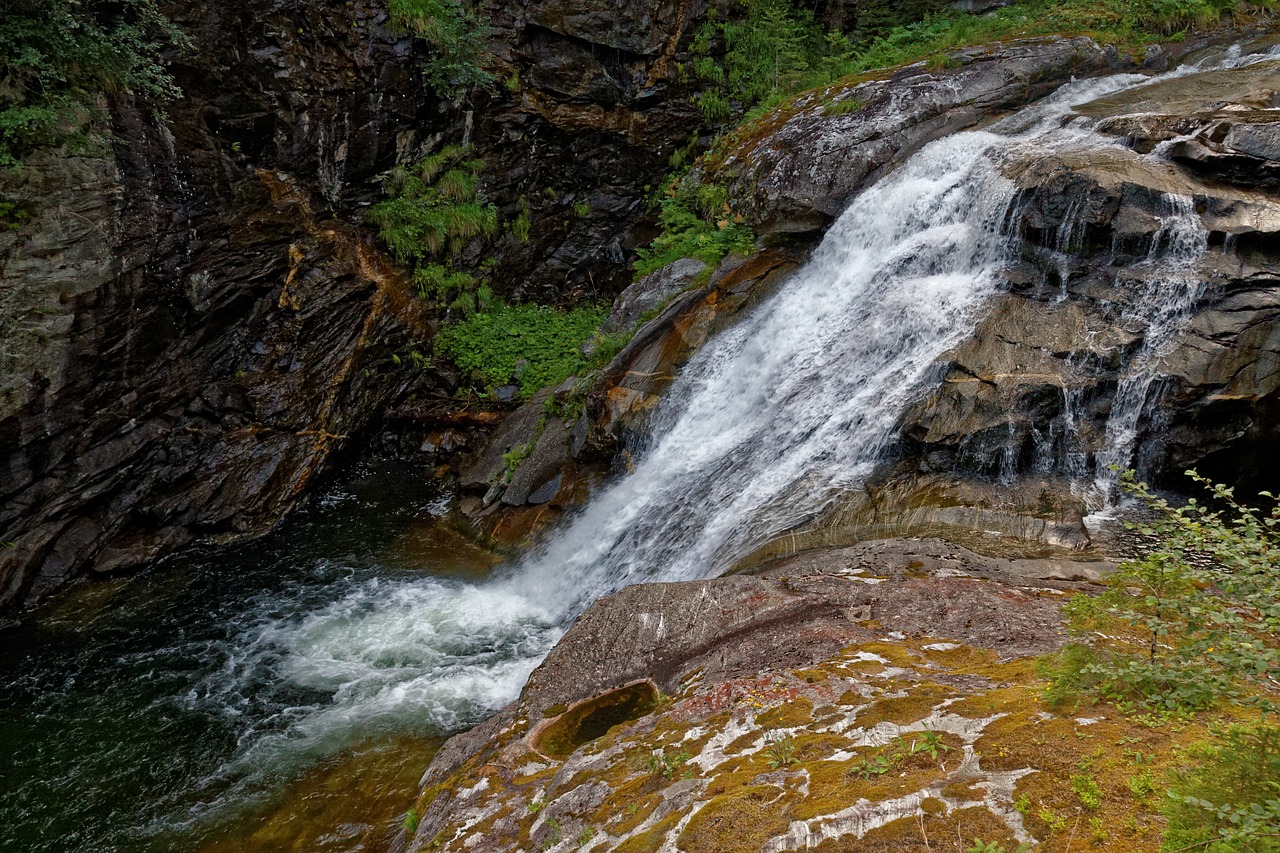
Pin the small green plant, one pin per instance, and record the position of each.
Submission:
(1141, 785)
(15, 214)
(1098, 831)
(554, 834)
(871, 766)
(536, 806)
(844, 107)
(665, 765)
(1055, 822)
(514, 457)
(697, 222)
(411, 821)
(534, 346)
(1087, 790)
(585, 836)
(782, 750)
(1022, 805)
(582, 209)
(519, 226)
(930, 742)
(980, 846)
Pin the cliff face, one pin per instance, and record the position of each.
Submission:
(189, 336)
(197, 321)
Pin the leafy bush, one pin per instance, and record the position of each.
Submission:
(57, 55)
(1195, 620)
(532, 345)
(1229, 801)
(432, 209)
(1193, 623)
(457, 39)
(697, 222)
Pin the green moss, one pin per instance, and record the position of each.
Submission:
(904, 710)
(797, 712)
(742, 820)
(651, 839)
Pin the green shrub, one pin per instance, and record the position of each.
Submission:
(1229, 800)
(697, 222)
(531, 345)
(1195, 620)
(431, 211)
(458, 39)
(56, 56)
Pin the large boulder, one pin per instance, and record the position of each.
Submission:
(659, 696)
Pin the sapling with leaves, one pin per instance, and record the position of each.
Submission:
(1194, 623)
(1195, 620)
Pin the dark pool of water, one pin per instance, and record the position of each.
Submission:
(210, 702)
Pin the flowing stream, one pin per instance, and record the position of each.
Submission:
(156, 711)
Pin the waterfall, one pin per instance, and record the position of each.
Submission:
(792, 405)
(1170, 286)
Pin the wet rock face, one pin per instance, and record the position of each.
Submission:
(1036, 384)
(796, 172)
(192, 338)
(197, 323)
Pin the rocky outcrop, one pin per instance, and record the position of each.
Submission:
(197, 323)
(1031, 391)
(833, 656)
(1054, 358)
(795, 170)
(549, 453)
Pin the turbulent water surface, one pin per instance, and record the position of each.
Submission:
(157, 711)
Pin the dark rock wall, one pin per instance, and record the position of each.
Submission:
(197, 322)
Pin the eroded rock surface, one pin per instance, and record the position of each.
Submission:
(885, 695)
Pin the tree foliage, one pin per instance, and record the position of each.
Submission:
(56, 56)
(456, 37)
(1196, 620)
(1194, 623)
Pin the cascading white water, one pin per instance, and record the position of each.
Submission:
(764, 426)
(1170, 288)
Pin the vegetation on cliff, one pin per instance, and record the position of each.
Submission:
(58, 56)
(431, 210)
(775, 50)
(457, 39)
(529, 345)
